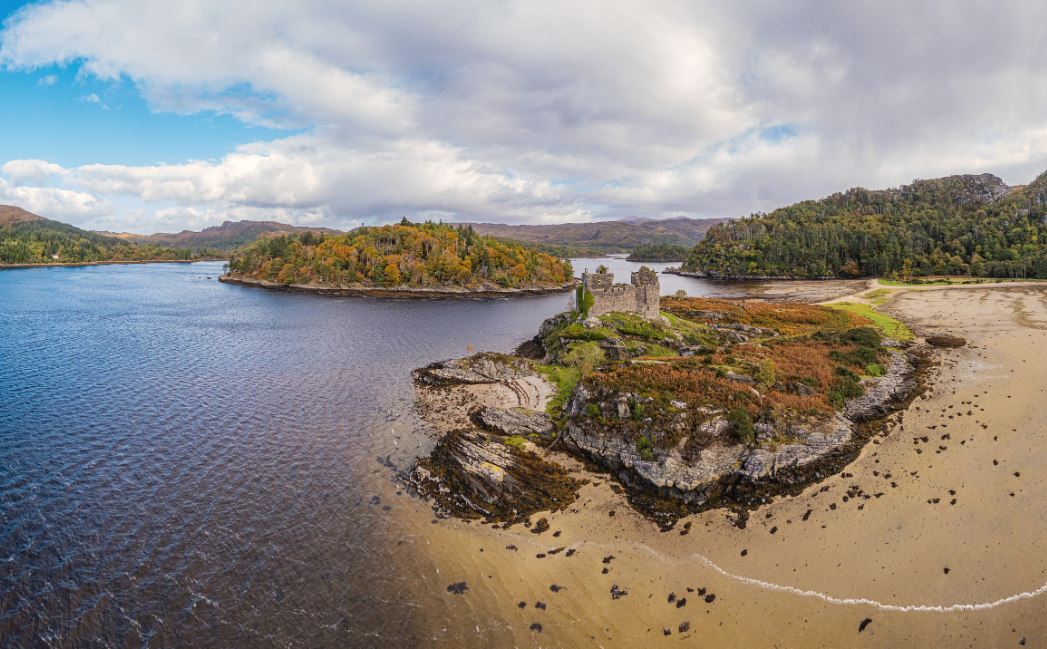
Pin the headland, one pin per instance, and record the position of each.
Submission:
(930, 529)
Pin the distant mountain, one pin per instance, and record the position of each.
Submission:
(9, 215)
(226, 237)
(26, 238)
(606, 236)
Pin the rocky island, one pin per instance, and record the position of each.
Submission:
(687, 403)
(402, 260)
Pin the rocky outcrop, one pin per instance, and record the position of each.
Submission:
(788, 452)
(882, 392)
(482, 368)
(756, 331)
(514, 421)
(472, 474)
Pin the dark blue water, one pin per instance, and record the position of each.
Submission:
(187, 463)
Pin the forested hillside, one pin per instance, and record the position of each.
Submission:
(226, 237)
(30, 239)
(659, 252)
(405, 254)
(958, 225)
(604, 237)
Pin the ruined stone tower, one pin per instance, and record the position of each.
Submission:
(640, 296)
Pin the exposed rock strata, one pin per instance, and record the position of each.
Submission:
(473, 474)
(483, 368)
(514, 421)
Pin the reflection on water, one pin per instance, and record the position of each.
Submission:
(184, 462)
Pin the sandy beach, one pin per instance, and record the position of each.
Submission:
(949, 549)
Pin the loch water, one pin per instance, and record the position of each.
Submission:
(188, 463)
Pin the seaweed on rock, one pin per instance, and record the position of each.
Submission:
(471, 474)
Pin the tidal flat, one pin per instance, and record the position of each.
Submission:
(947, 550)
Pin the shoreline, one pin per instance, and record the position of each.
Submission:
(932, 526)
(753, 278)
(409, 292)
(103, 263)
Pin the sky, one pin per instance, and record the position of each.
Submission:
(143, 116)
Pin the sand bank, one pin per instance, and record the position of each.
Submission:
(950, 548)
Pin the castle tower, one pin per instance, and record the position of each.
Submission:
(641, 296)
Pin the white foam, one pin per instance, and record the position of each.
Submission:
(921, 608)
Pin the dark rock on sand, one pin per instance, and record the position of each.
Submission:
(514, 421)
(458, 588)
(946, 341)
(472, 474)
(481, 368)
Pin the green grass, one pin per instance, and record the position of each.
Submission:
(886, 324)
(563, 379)
(658, 351)
(517, 442)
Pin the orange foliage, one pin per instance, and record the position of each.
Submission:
(789, 318)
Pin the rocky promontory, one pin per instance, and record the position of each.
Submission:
(716, 403)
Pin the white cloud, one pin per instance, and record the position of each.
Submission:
(546, 111)
(47, 81)
(34, 171)
(54, 203)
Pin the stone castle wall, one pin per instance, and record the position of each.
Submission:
(640, 296)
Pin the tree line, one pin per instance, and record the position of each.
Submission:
(960, 225)
(404, 254)
(47, 242)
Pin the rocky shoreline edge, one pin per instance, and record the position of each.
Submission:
(747, 278)
(504, 464)
(397, 291)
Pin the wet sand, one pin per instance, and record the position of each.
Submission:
(796, 290)
(926, 573)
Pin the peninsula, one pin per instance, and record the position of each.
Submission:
(689, 403)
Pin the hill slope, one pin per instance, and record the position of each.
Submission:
(26, 238)
(9, 215)
(226, 237)
(605, 236)
(959, 225)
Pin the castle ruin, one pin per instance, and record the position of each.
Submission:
(640, 296)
